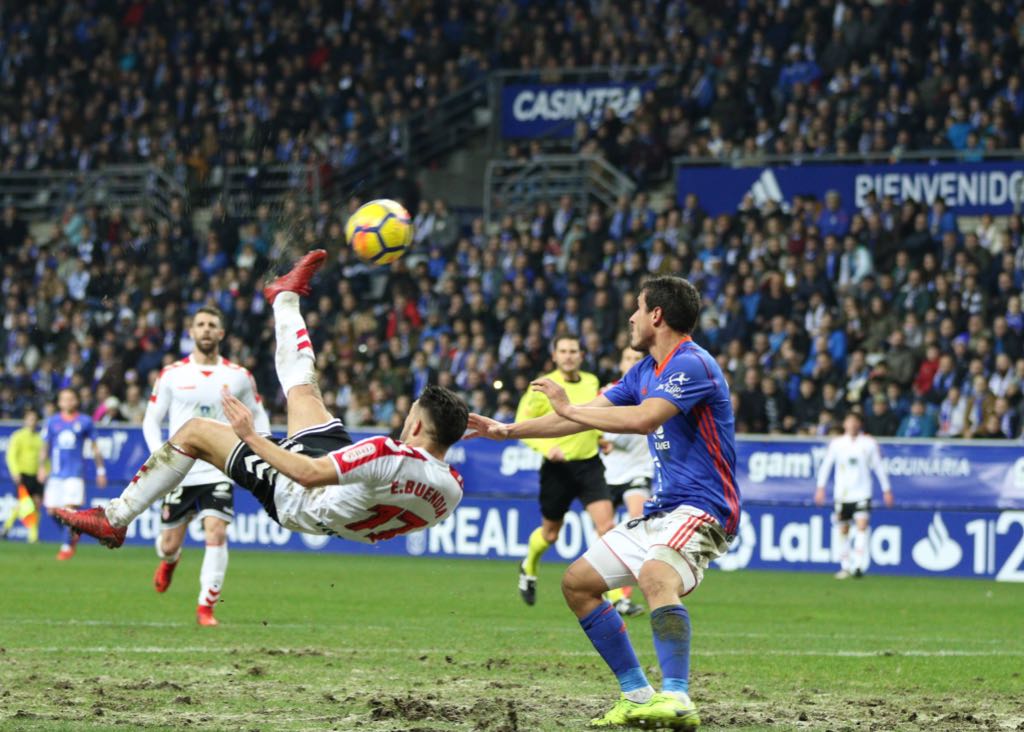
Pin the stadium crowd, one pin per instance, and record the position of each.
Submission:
(193, 87)
(893, 309)
(899, 310)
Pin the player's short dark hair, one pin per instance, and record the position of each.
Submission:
(678, 299)
(448, 414)
(211, 310)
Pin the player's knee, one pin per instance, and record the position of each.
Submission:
(573, 587)
(216, 531)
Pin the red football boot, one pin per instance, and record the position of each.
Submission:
(297, 280)
(93, 521)
(204, 616)
(162, 576)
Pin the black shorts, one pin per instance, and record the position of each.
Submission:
(562, 482)
(31, 483)
(847, 511)
(619, 491)
(254, 474)
(208, 499)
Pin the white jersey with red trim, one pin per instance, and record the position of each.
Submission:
(385, 489)
(186, 389)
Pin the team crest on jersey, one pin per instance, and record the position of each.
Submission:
(673, 385)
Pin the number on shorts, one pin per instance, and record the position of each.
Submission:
(381, 514)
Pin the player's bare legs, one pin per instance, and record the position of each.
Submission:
(198, 439)
(602, 513)
(168, 548)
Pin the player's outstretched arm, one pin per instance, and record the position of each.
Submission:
(640, 419)
(550, 425)
(306, 471)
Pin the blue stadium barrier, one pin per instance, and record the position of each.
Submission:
(960, 508)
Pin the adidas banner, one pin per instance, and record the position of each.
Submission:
(968, 188)
(544, 110)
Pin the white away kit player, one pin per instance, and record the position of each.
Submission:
(315, 480)
(192, 387)
(854, 456)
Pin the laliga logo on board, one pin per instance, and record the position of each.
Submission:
(937, 552)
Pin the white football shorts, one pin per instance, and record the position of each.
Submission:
(687, 539)
(60, 492)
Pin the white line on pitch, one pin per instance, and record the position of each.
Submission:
(414, 651)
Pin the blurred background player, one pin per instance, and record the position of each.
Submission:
(190, 388)
(854, 455)
(65, 437)
(23, 454)
(628, 471)
(571, 467)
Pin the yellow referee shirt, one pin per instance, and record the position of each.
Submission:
(580, 446)
(23, 453)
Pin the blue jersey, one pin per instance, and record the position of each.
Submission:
(694, 451)
(66, 439)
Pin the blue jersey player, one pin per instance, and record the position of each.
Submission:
(65, 435)
(678, 397)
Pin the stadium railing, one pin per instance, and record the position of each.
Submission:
(515, 187)
(40, 195)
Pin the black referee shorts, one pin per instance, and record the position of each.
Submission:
(562, 482)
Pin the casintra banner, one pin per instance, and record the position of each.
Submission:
(541, 110)
(968, 188)
(959, 508)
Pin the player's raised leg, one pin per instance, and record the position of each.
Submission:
(198, 439)
(294, 356)
(582, 586)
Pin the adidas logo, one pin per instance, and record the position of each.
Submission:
(766, 188)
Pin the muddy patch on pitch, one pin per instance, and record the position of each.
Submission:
(485, 715)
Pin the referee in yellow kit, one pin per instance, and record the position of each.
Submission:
(571, 467)
(23, 464)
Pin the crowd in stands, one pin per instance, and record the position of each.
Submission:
(195, 86)
(898, 311)
(901, 310)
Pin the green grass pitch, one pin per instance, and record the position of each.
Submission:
(376, 644)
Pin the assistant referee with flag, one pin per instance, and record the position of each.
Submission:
(571, 467)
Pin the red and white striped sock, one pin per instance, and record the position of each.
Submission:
(294, 356)
(157, 477)
(211, 576)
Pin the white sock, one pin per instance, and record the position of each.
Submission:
(844, 552)
(211, 576)
(294, 357)
(640, 696)
(860, 550)
(157, 477)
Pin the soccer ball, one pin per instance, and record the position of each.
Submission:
(380, 231)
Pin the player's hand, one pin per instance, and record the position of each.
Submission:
(41, 476)
(887, 497)
(819, 497)
(101, 481)
(555, 394)
(239, 415)
(481, 426)
(605, 446)
(556, 455)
